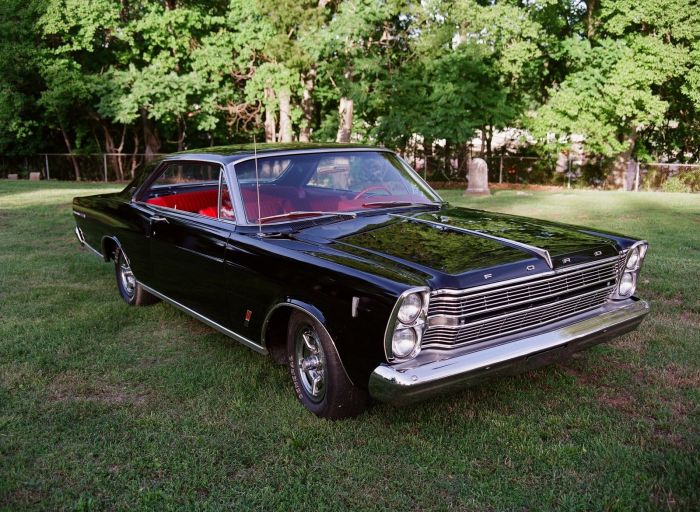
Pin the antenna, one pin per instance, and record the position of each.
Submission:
(257, 182)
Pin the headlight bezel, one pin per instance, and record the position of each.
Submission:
(417, 324)
(632, 265)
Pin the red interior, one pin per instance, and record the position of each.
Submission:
(274, 200)
(199, 201)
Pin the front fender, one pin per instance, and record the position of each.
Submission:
(310, 310)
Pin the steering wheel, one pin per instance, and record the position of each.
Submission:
(370, 189)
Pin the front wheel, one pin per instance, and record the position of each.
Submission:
(129, 288)
(319, 379)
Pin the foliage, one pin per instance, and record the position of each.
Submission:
(675, 184)
(158, 75)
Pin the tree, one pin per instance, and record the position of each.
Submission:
(617, 91)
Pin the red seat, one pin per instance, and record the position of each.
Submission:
(209, 211)
(188, 201)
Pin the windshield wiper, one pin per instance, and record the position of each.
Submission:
(380, 204)
(302, 214)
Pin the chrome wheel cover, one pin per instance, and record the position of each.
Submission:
(126, 277)
(311, 363)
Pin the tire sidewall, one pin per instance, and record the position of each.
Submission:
(297, 322)
(118, 258)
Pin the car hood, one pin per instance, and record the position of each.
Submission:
(462, 247)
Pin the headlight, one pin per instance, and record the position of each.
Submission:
(404, 331)
(404, 343)
(627, 284)
(410, 309)
(632, 258)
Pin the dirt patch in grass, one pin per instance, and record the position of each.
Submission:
(691, 318)
(674, 301)
(619, 400)
(632, 342)
(672, 376)
(73, 387)
(23, 496)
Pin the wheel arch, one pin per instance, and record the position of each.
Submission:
(274, 329)
(109, 246)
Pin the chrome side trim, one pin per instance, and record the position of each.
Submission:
(274, 308)
(407, 382)
(81, 239)
(79, 214)
(537, 251)
(211, 323)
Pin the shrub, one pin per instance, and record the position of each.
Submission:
(675, 184)
(692, 179)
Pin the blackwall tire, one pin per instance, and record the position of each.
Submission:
(319, 379)
(129, 288)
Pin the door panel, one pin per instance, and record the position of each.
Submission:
(187, 257)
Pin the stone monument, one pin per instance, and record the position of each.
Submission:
(478, 178)
(34, 176)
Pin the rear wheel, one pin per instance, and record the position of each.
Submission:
(319, 379)
(129, 288)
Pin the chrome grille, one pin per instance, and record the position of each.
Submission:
(461, 317)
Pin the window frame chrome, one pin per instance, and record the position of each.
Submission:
(276, 154)
(137, 196)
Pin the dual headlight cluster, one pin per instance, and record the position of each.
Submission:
(628, 277)
(405, 330)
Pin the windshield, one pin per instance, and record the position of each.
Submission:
(305, 185)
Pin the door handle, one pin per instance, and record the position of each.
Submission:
(156, 219)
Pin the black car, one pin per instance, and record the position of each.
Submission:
(341, 262)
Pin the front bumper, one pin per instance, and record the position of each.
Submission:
(407, 382)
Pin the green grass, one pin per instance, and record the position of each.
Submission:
(103, 406)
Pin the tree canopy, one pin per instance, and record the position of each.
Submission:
(152, 76)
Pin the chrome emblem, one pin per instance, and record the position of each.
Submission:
(488, 276)
(566, 260)
(530, 267)
(597, 253)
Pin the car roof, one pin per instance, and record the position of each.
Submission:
(228, 154)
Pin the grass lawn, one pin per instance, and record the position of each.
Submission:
(107, 406)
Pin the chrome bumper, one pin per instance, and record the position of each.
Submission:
(407, 382)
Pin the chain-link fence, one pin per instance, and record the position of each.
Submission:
(440, 167)
(70, 167)
(669, 177)
(567, 172)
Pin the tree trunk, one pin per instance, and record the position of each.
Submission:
(181, 132)
(590, 20)
(428, 154)
(489, 139)
(617, 178)
(345, 112)
(462, 159)
(448, 161)
(285, 115)
(270, 123)
(307, 106)
(151, 140)
(76, 167)
(111, 149)
(134, 160)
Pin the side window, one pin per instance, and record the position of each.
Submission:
(268, 170)
(225, 204)
(187, 173)
(188, 186)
